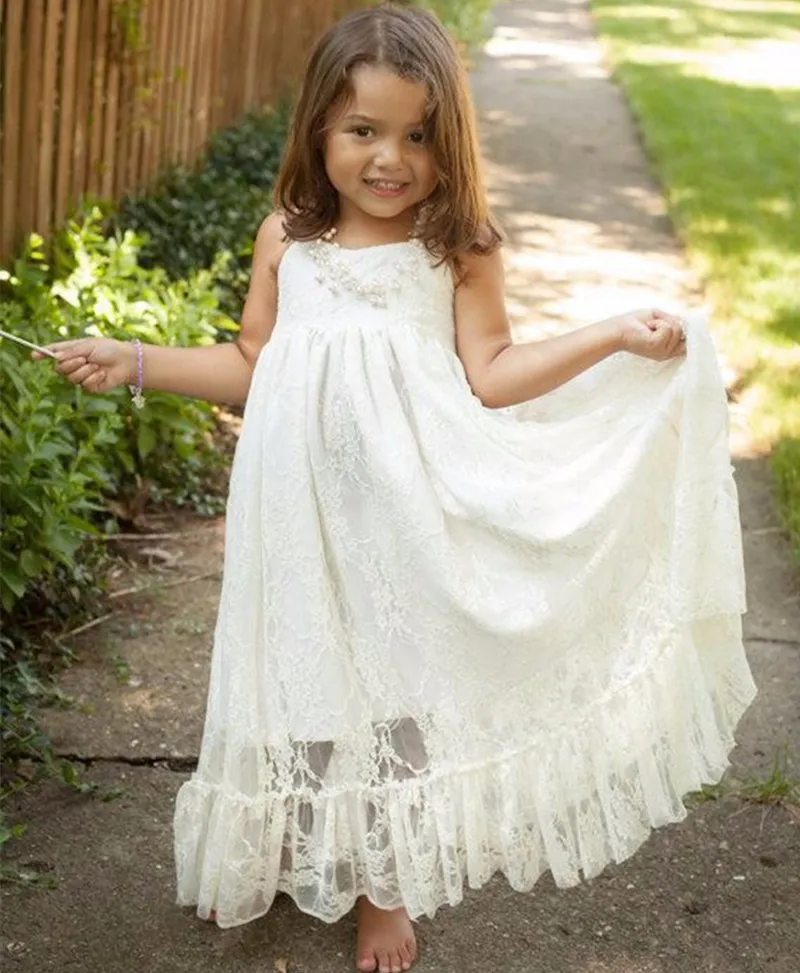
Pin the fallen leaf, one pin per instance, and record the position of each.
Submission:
(167, 558)
(282, 965)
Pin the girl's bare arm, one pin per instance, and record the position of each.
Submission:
(502, 373)
(218, 373)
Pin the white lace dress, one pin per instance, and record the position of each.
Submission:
(454, 641)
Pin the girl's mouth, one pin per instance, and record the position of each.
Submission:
(386, 187)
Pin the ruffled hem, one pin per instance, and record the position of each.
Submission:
(570, 804)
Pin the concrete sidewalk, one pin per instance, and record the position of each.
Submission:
(719, 892)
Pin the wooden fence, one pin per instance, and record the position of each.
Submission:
(99, 95)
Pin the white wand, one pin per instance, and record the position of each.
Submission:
(28, 344)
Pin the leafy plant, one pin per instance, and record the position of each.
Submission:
(207, 217)
(62, 451)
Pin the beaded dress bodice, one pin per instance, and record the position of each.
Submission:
(324, 286)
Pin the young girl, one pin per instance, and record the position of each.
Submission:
(457, 634)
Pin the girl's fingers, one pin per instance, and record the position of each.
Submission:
(94, 383)
(75, 345)
(81, 374)
(667, 339)
(70, 365)
(660, 319)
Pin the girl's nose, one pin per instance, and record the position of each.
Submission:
(389, 154)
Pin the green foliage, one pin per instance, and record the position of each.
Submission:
(466, 19)
(126, 18)
(724, 140)
(62, 451)
(208, 216)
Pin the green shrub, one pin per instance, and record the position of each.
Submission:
(194, 216)
(52, 474)
(64, 452)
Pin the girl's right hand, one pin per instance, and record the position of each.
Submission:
(96, 364)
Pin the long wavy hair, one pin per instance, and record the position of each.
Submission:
(455, 218)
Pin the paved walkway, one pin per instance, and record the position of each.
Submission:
(719, 892)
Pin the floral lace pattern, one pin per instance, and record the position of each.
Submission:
(454, 641)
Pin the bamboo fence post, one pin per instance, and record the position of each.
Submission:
(48, 101)
(94, 180)
(31, 112)
(12, 110)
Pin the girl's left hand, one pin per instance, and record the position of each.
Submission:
(652, 334)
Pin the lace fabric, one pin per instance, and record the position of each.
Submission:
(454, 641)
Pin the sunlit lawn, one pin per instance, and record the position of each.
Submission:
(715, 85)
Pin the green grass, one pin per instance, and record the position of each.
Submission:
(779, 787)
(709, 82)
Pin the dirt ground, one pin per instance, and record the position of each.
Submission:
(718, 893)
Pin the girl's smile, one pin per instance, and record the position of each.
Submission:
(383, 187)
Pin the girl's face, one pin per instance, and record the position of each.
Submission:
(375, 151)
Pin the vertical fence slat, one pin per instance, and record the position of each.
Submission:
(86, 109)
(161, 89)
(172, 82)
(110, 115)
(124, 58)
(182, 108)
(83, 101)
(233, 59)
(190, 81)
(252, 38)
(66, 111)
(184, 85)
(12, 117)
(31, 111)
(202, 120)
(217, 62)
(149, 96)
(138, 93)
(48, 100)
(95, 159)
(263, 69)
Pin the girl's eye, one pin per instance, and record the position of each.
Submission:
(417, 137)
(363, 131)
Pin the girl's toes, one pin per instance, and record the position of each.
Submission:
(406, 956)
(384, 965)
(367, 963)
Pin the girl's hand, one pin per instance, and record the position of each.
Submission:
(651, 333)
(96, 364)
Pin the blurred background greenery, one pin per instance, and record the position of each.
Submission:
(715, 87)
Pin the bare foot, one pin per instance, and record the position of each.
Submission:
(386, 941)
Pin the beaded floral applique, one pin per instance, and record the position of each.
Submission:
(335, 272)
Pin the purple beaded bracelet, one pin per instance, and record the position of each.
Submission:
(136, 390)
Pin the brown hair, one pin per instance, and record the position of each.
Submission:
(412, 43)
